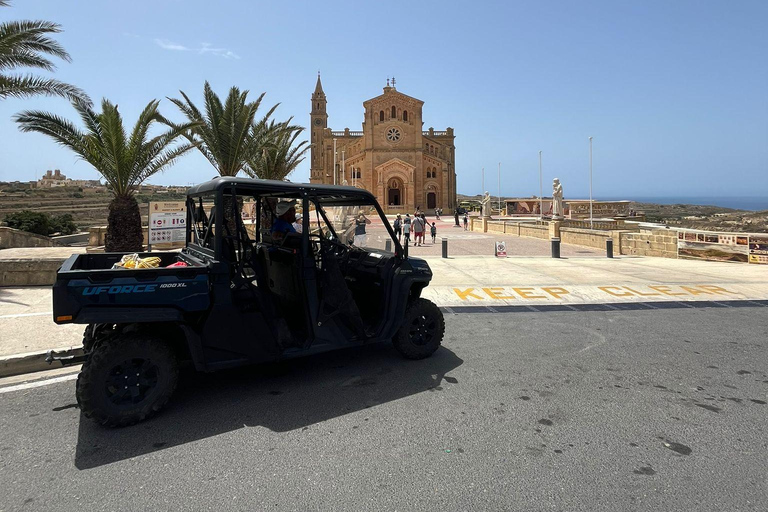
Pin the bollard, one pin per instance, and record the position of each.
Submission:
(555, 247)
(388, 245)
(445, 247)
(405, 249)
(609, 247)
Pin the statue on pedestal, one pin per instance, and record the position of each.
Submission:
(557, 199)
(485, 205)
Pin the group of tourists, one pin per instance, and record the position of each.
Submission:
(417, 225)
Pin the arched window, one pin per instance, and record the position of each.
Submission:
(381, 116)
(394, 112)
(405, 115)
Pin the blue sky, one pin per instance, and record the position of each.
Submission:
(674, 93)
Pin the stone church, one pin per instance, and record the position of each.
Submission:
(392, 156)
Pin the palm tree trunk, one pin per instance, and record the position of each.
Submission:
(233, 209)
(124, 231)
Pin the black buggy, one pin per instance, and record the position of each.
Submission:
(249, 292)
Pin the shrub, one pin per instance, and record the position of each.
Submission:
(63, 224)
(32, 222)
(41, 223)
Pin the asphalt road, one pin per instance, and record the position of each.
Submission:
(601, 410)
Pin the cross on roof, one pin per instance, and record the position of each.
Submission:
(393, 81)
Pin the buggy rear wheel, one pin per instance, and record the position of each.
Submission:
(422, 330)
(126, 380)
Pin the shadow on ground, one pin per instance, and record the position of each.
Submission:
(281, 397)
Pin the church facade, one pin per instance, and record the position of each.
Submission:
(404, 166)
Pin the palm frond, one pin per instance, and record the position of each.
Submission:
(28, 35)
(30, 85)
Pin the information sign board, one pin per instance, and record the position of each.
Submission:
(501, 249)
(167, 222)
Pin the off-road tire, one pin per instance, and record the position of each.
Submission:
(98, 395)
(422, 330)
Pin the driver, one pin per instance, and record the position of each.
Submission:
(286, 215)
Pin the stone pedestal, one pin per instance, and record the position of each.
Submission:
(554, 228)
(484, 223)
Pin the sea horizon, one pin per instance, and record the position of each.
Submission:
(749, 203)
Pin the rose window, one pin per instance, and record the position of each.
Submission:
(393, 135)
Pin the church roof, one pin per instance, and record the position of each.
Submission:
(392, 93)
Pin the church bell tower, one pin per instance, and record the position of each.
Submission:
(319, 120)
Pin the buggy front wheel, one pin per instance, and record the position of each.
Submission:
(422, 330)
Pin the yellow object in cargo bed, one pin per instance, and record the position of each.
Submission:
(133, 261)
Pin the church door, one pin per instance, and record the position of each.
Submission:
(394, 191)
(431, 200)
(394, 197)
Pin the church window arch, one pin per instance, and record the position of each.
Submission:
(405, 115)
(381, 116)
(394, 112)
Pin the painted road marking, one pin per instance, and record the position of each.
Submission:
(505, 294)
(610, 308)
(49, 313)
(37, 384)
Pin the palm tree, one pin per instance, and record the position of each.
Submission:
(124, 161)
(278, 156)
(25, 44)
(223, 134)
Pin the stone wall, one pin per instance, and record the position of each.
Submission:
(29, 272)
(97, 235)
(12, 238)
(650, 242)
(592, 238)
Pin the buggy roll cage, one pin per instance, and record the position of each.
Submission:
(325, 195)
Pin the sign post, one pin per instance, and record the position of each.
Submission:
(167, 223)
(501, 249)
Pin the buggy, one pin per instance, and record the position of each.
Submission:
(243, 291)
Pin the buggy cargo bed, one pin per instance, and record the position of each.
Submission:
(88, 290)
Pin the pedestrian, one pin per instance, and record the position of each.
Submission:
(418, 230)
(466, 221)
(398, 225)
(437, 213)
(433, 232)
(360, 223)
(297, 223)
(406, 229)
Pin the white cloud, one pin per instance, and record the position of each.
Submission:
(219, 52)
(205, 48)
(168, 45)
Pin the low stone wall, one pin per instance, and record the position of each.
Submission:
(13, 238)
(97, 235)
(29, 272)
(650, 242)
(592, 238)
(533, 231)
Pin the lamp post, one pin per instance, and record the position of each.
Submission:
(541, 191)
(499, 205)
(590, 183)
(343, 166)
(482, 181)
(334, 161)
